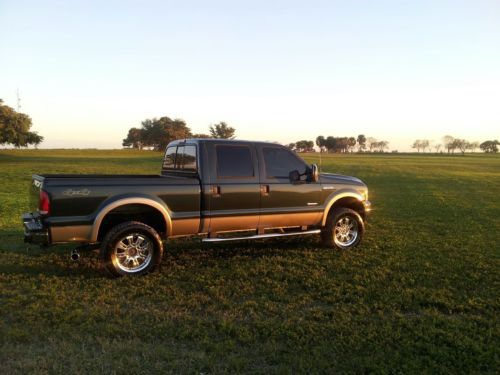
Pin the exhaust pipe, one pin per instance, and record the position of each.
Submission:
(75, 256)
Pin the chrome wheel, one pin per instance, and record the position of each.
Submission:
(345, 232)
(133, 253)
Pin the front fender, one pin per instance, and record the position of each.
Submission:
(335, 196)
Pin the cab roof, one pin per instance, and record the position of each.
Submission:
(218, 140)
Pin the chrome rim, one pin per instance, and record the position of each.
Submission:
(133, 253)
(346, 231)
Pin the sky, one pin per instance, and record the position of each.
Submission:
(87, 71)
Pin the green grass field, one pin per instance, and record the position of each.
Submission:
(421, 294)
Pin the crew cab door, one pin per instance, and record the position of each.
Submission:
(286, 202)
(233, 193)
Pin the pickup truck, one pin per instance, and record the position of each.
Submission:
(221, 190)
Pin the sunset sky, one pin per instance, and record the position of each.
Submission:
(281, 71)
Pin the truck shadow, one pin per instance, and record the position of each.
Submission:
(252, 249)
(16, 258)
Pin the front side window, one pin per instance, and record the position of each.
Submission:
(280, 162)
(234, 161)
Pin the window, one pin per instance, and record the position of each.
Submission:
(181, 158)
(280, 162)
(186, 158)
(234, 161)
(169, 160)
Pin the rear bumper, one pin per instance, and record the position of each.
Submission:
(34, 230)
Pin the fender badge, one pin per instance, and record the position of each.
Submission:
(76, 193)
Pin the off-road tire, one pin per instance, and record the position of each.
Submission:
(115, 261)
(338, 220)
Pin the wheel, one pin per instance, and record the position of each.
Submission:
(343, 230)
(131, 248)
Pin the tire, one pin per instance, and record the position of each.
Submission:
(344, 229)
(131, 248)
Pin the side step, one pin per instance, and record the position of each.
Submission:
(259, 236)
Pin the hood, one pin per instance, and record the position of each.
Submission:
(340, 179)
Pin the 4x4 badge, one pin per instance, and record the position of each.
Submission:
(76, 193)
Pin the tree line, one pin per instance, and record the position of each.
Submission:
(451, 144)
(157, 133)
(340, 144)
(15, 128)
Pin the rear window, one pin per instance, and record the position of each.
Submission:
(180, 158)
(169, 160)
(234, 162)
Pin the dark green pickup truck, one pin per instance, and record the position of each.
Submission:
(209, 187)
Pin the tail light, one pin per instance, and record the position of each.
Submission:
(44, 203)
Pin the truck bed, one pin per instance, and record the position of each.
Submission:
(80, 195)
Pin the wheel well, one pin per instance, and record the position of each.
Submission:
(133, 212)
(349, 202)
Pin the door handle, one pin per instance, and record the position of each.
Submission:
(264, 189)
(216, 191)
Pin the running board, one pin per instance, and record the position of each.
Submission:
(259, 236)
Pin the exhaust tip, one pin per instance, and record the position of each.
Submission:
(75, 256)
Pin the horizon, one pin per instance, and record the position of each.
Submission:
(281, 72)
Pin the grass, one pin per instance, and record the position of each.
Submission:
(421, 294)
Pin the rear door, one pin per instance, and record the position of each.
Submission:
(234, 190)
(285, 202)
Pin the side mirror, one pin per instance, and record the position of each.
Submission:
(294, 176)
(314, 173)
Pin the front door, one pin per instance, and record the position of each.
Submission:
(286, 202)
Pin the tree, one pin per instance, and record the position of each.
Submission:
(490, 146)
(304, 146)
(461, 144)
(291, 146)
(222, 130)
(425, 143)
(330, 143)
(321, 143)
(437, 147)
(157, 133)
(351, 142)
(382, 145)
(15, 128)
(448, 143)
(472, 146)
(201, 135)
(310, 146)
(134, 138)
(361, 142)
(342, 145)
(372, 143)
(34, 139)
(417, 145)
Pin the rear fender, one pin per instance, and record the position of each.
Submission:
(144, 200)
